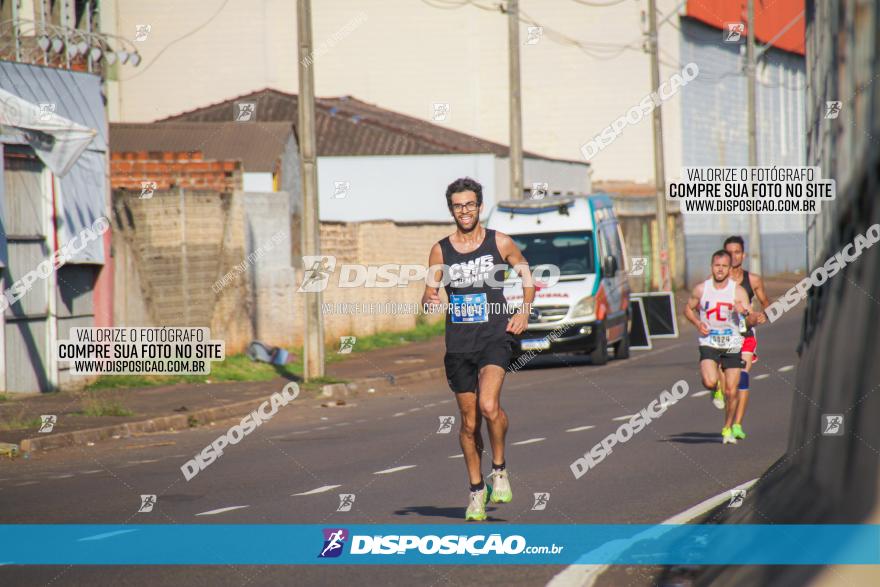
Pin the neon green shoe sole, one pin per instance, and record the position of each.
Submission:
(502, 497)
(479, 516)
(738, 431)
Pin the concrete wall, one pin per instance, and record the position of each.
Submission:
(205, 259)
(374, 243)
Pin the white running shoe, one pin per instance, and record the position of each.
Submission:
(501, 492)
(476, 509)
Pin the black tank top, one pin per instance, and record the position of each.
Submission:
(478, 312)
(747, 285)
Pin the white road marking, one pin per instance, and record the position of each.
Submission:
(318, 490)
(457, 457)
(579, 428)
(621, 418)
(65, 476)
(93, 471)
(322, 427)
(414, 409)
(529, 441)
(446, 401)
(701, 393)
(25, 483)
(395, 469)
(360, 421)
(222, 510)
(105, 535)
(786, 368)
(583, 575)
(762, 376)
(398, 414)
(343, 423)
(430, 405)
(144, 462)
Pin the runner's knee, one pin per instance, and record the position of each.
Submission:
(489, 409)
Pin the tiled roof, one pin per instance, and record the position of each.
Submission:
(346, 126)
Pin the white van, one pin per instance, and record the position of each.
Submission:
(587, 310)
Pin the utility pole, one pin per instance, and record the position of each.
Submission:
(516, 155)
(751, 67)
(313, 341)
(659, 171)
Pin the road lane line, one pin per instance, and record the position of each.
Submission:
(222, 510)
(318, 490)
(582, 575)
(786, 368)
(579, 428)
(529, 441)
(25, 483)
(762, 376)
(414, 409)
(701, 393)
(621, 418)
(457, 457)
(399, 414)
(395, 469)
(65, 476)
(93, 471)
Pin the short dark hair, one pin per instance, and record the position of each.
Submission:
(721, 253)
(464, 184)
(735, 240)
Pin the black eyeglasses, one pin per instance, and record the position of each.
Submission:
(469, 206)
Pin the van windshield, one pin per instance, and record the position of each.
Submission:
(572, 252)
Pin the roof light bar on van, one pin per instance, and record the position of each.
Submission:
(535, 206)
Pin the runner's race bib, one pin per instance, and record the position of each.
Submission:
(724, 339)
(468, 308)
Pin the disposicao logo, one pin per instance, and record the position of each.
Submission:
(334, 541)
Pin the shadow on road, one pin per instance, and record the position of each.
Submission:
(456, 513)
(694, 438)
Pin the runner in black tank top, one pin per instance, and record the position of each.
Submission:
(478, 315)
(480, 331)
(735, 246)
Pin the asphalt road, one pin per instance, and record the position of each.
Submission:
(386, 451)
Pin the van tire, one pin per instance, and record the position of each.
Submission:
(621, 347)
(599, 356)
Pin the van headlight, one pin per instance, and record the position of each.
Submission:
(585, 307)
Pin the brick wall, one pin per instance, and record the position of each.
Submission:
(372, 243)
(171, 169)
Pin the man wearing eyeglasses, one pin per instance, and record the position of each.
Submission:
(480, 331)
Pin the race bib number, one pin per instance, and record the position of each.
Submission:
(468, 308)
(723, 339)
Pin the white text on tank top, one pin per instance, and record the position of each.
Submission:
(717, 310)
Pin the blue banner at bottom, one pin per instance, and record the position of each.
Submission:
(522, 544)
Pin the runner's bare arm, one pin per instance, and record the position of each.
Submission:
(690, 309)
(761, 294)
(741, 305)
(514, 257)
(433, 276)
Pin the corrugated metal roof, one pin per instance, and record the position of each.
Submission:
(258, 145)
(346, 126)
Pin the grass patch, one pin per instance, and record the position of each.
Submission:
(21, 424)
(422, 331)
(4, 397)
(98, 406)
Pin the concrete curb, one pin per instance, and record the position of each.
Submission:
(182, 421)
(340, 390)
(160, 424)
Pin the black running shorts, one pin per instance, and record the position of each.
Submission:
(727, 359)
(462, 369)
